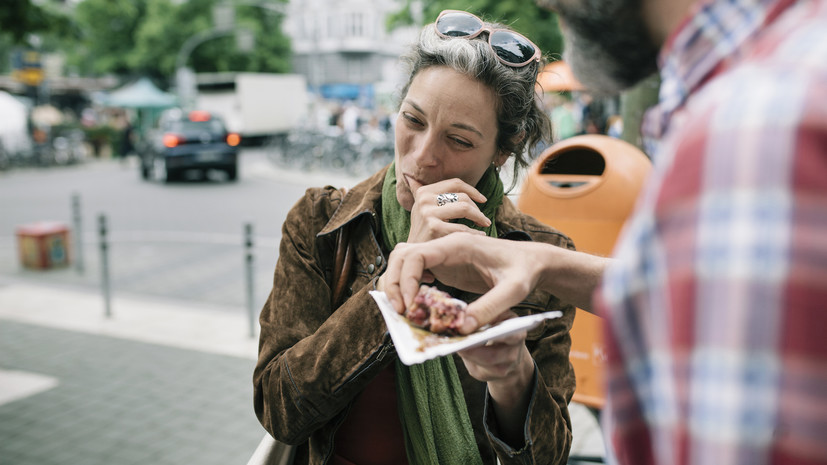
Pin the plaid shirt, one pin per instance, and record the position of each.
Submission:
(716, 308)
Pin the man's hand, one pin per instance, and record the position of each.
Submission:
(503, 271)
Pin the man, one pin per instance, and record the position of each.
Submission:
(715, 299)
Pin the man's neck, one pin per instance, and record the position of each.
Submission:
(663, 17)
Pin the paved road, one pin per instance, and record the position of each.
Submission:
(182, 240)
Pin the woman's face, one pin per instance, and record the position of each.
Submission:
(447, 128)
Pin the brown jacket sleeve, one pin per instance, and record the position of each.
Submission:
(312, 360)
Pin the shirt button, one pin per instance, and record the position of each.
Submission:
(371, 268)
(379, 261)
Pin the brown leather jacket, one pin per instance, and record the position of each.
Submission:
(314, 359)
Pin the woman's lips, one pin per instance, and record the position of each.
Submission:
(413, 183)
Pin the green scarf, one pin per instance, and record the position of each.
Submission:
(432, 406)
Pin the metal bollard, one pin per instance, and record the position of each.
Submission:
(248, 268)
(104, 250)
(76, 219)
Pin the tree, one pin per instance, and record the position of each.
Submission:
(143, 37)
(271, 53)
(108, 30)
(21, 21)
(167, 28)
(19, 18)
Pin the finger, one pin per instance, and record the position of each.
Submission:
(410, 275)
(492, 304)
(466, 209)
(506, 315)
(455, 185)
(508, 340)
(490, 362)
(445, 229)
(390, 279)
(484, 350)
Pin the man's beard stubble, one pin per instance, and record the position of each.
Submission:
(607, 43)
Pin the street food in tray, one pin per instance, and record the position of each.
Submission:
(436, 311)
(413, 334)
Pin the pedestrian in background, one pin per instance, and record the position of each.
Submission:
(328, 379)
(715, 298)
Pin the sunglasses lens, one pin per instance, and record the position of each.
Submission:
(512, 48)
(458, 25)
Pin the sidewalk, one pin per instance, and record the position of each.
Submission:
(156, 383)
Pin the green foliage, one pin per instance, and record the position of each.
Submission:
(21, 21)
(524, 16)
(144, 37)
(271, 53)
(19, 18)
(108, 34)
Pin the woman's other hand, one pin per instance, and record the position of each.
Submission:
(429, 220)
(506, 365)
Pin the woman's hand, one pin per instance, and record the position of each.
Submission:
(506, 365)
(429, 220)
(501, 361)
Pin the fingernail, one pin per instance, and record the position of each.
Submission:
(469, 325)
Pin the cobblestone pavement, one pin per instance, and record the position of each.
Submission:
(116, 401)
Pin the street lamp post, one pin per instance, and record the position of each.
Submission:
(185, 77)
(224, 20)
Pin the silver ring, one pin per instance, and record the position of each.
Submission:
(448, 197)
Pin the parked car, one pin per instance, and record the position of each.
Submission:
(186, 141)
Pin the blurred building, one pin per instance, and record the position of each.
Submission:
(344, 47)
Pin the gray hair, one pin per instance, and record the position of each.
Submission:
(521, 122)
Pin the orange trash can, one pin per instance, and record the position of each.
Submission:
(43, 245)
(586, 186)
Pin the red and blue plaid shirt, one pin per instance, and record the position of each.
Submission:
(716, 308)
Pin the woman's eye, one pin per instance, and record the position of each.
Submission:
(462, 143)
(412, 119)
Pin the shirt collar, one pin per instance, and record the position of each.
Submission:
(709, 37)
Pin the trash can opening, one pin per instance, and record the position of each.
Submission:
(577, 160)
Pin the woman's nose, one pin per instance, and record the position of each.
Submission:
(427, 151)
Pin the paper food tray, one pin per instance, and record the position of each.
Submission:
(416, 345)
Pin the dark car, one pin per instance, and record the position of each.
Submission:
(187, 141)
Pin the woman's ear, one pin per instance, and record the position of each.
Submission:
(500, 158)
(502, 155)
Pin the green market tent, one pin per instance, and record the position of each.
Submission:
(140, 94)
(145, 98)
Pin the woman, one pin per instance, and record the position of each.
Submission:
(327, 377)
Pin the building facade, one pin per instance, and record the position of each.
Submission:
(344, 48)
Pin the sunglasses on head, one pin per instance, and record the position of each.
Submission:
(511, 48)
